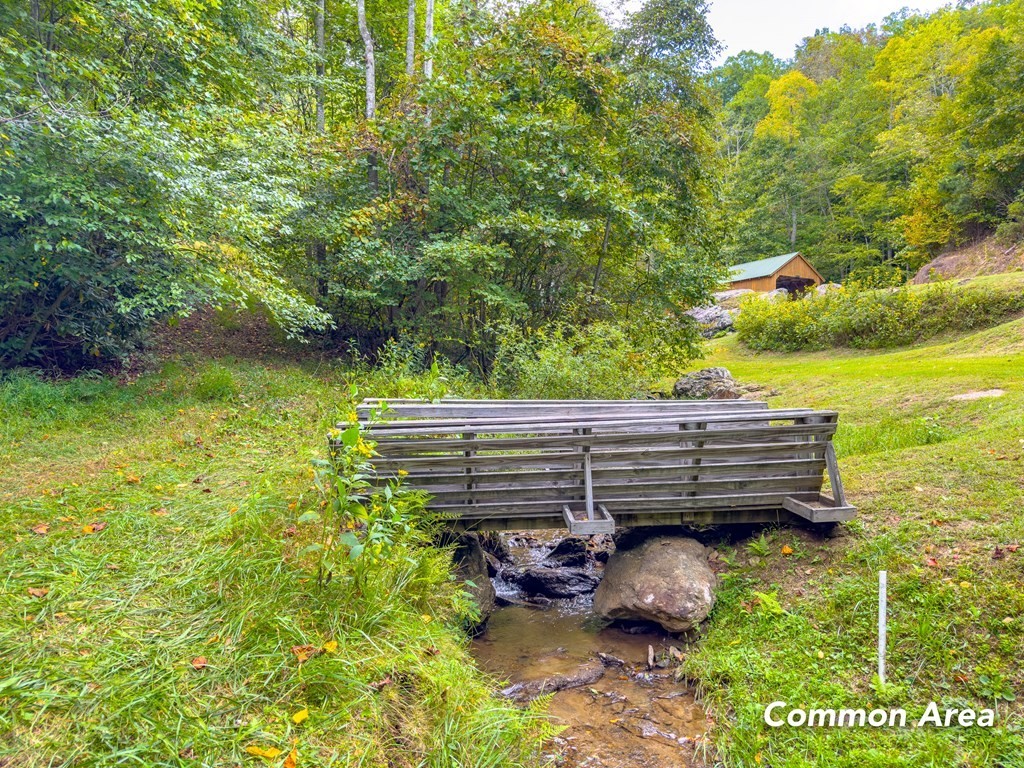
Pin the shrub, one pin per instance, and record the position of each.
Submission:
(404, 369)
(862, 316)
(562, 363)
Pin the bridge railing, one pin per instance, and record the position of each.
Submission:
(591, 464)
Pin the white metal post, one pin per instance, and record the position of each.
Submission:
(882, 585)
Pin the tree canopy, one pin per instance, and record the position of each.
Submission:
(529, 163)
(877, 145)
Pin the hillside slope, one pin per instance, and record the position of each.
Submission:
(985, 257)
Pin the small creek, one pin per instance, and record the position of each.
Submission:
(634, 716)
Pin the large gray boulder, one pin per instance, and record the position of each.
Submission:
(471, 565)
(707, 384)
(732, 297)
(665, 579)
(713, 319)
(824, 288)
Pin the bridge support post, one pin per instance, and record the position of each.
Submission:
(588, 478)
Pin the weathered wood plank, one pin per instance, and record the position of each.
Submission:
(600, 492)
(512, 477)
(628, 519)
(565, 458)
(772, 499)
(752, 435)
(567, 421)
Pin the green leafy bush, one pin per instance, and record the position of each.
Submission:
(865, 317)
(559, 362)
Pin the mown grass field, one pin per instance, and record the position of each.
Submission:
(940, 489)
(154, 609)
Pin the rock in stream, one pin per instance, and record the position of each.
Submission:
(665, 579)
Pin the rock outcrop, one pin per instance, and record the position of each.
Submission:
(471, 565)
(570, 552)
(713, 319)
(553, 582)
(665, 579)
(707, 384)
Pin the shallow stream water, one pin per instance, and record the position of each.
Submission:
(632, 717)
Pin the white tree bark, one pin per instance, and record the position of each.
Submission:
(410, 41)
(371, 67)
(428, 40)
(320, 60)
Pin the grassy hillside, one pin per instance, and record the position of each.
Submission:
(155, 608)
(938, 485)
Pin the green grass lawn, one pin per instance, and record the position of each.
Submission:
(154, 609)
(940, 490)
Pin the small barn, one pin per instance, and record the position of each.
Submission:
(790, 271)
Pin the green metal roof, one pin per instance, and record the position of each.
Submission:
(760, 268)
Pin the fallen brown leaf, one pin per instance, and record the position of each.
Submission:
(42, 529)
(38, 591)
(199, 662)
(292, 760)
(305, 652)
(381, 683)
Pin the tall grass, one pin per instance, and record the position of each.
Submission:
(173, 618)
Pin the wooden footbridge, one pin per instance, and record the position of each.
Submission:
(592, 465)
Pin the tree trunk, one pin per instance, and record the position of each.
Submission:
(428, 41)
(320, 64)
(604, 252)
(371, 86)
(371, 67)
(410, 41)
(792, 233)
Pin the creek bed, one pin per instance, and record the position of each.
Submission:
(632, 717)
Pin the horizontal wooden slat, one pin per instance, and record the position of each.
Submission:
(604, 491)
(642, 408)
(669, 422)
(414, 446)
(512, 476)
(631, 503)
(568, 458)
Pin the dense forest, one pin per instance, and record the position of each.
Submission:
(882, 145)
(443, 172)
(464, 175)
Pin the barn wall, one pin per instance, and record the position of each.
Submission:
(761, 284)
(798, 267)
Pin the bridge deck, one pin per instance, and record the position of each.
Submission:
(589, 465)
